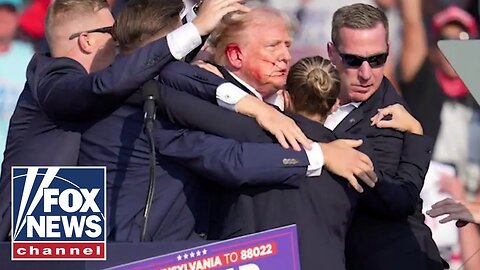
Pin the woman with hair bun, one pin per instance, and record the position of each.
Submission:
(313, 86)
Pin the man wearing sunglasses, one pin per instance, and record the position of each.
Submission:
(81, 80)
(388, 232)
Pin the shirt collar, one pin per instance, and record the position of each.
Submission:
(274, 99)
(253, 90)
(355, 104)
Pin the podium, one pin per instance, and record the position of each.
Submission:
(117, 253)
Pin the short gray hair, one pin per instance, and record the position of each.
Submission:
(357, 16)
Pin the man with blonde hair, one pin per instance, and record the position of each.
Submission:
(81, 81)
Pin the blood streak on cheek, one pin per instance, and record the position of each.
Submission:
(273, 67)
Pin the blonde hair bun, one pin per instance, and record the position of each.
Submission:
(320, 80)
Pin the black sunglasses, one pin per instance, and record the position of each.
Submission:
(107, 29)
(356, 61)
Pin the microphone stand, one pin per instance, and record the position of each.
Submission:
(152, 159)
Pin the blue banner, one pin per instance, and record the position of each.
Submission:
(272, 249)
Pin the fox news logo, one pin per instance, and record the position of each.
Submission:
(58, 213)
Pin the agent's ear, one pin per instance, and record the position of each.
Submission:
(234, 55)
(86, 43)
(332, 53)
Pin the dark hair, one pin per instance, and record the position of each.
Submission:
(357, 16)
(141, 20)
(313, 85)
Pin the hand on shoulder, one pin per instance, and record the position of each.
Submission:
(396, 117)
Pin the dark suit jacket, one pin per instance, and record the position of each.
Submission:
(118, 142)
(321, 207)
(401, 173)
(388, 230)
(58, 96)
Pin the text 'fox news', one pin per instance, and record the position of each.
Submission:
(58, 213)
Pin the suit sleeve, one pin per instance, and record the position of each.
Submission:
(67, 92)
(191, 79)
(188, 111)
(397, 192)
(231, 163)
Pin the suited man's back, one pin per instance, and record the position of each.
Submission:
(119, 143)
(35, 139)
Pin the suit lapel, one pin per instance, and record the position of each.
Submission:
(352, 119)
(364, 110)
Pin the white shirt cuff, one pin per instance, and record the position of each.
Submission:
(183, 40)
(228, 95)
(315, 158)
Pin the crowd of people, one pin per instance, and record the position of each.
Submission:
(326, 114)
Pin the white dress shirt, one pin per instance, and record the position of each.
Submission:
(337, 116)
(228, 95)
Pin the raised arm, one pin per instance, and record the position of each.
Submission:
(414, 47)
(191, 79)
(67, 92)
(188, 111)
